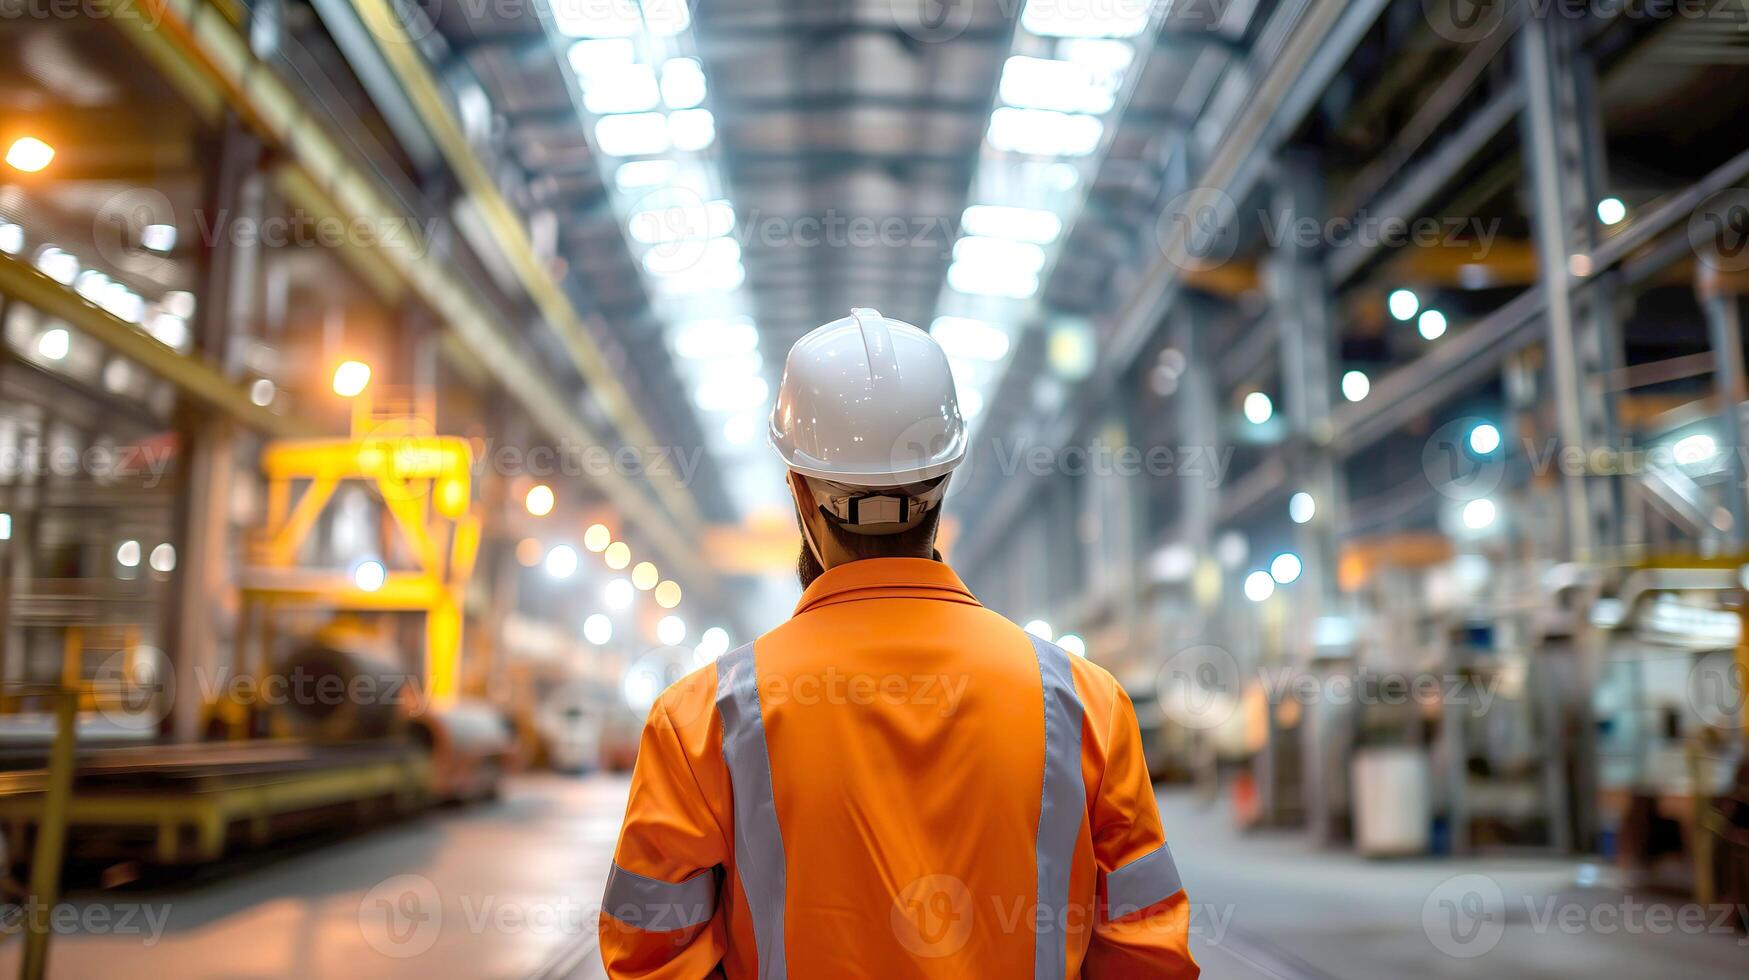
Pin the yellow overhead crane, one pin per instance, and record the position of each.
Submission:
(424, 482)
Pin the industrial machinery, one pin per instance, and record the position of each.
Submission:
(570, 721)
(1671, 712)
(320, 718)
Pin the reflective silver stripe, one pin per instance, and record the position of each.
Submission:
(659, 906)
(1061, 809)
(759, 857)
(1141, 883)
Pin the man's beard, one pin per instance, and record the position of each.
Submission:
(808, 567)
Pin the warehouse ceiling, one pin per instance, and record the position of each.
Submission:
(714, 180)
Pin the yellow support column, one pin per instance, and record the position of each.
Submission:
(443, 650)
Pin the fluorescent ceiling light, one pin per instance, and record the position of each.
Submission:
(597, 18)
(625, 88)
(1058, 18)
(1479, 513)
(639, 134)
(594, 57)
(999, 253)
(1020, 224)
(712, 279)
(984, 280)
(961, 336)
(55, 344)
(1403, 303)
(91, 284)
(57, 264)
(124, 303)
(706, 339)
(1690, 450)
(1042, 132)
(683, 85)
(1070, 350)
(1097, 53)
(158, 238)
(170, 330)
(749, 365)
(657, 225)
(692, 129)
(740, 430)
(731, 393)
(1041, 83)
(1259, 586)
(1431, 324)
(638, 174)
(666, 17)
(970, 374)
(687, 258)
(1355, 385)
(1258, 408)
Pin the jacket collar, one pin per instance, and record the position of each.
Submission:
(885, 578)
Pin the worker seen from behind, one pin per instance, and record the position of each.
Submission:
(897, 782)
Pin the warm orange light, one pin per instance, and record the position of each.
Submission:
(529, 552)
(597, 538)
(668, 595)
(350, 378)
(619, 555)
(645, 576)
(539, 500)
(452, 497)
(29, 154)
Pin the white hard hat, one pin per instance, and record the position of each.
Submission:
(869, 401)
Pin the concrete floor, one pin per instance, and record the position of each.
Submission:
(507, 891)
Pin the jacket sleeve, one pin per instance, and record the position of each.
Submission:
(662, 917)
(1142, 928)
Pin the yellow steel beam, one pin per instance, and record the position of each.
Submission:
(412, 457)
(190, 375)
(209, 61)
(400, 591)
(288, 537)
(409, 514)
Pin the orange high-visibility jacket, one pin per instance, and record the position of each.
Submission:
(895, 783)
